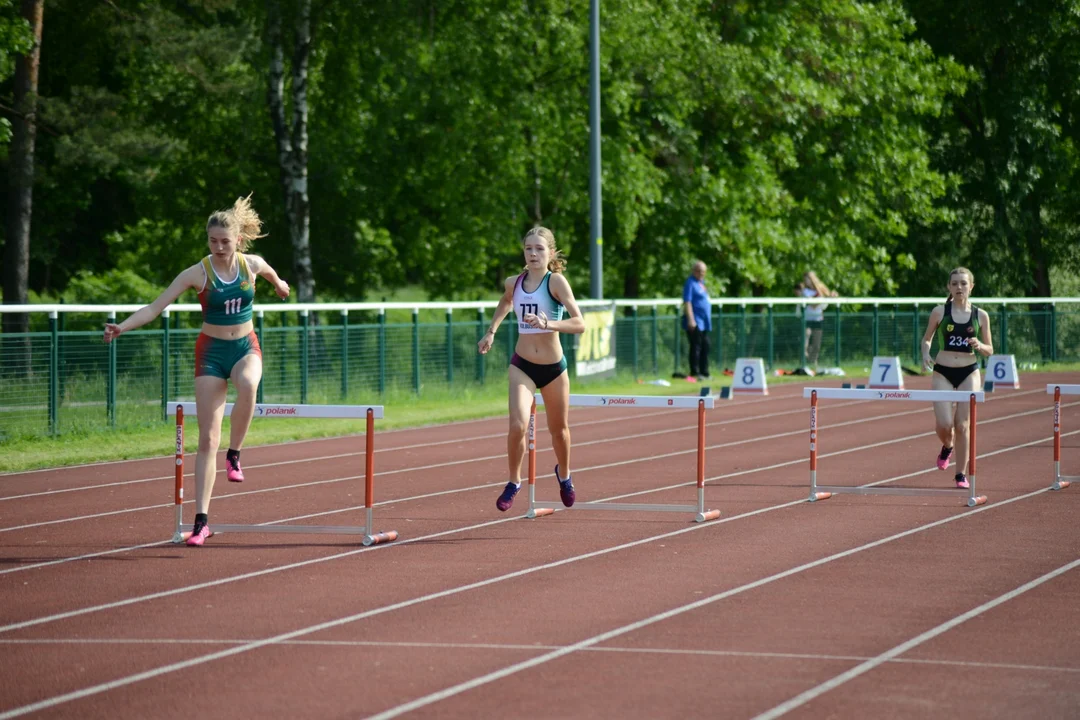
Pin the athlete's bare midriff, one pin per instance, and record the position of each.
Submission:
(542, 348)
(228, 332)
(949, 358)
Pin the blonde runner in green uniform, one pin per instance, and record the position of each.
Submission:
(226, 349)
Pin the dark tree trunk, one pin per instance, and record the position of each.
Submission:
(16, 272)
(1038, 285)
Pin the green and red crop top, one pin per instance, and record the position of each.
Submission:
(227, 303)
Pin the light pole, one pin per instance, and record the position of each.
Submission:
(596, 239)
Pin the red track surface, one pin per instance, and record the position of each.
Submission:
(475, 613)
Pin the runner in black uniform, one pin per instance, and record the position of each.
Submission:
(963, 330)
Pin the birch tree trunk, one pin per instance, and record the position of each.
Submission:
(16, 272)
(292, 136)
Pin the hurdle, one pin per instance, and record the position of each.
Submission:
(348, 412)
(1060, 481)
(824, 492)
(540, 508)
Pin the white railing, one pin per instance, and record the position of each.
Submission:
(489, 304)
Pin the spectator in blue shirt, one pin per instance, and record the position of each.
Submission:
(697, 319)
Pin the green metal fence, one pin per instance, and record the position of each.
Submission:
(61, 378)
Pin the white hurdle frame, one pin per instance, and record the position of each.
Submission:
(1057, 390)
(634, 401)
(824, 492)
(356, 412)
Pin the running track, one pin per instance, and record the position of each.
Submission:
(883, 607)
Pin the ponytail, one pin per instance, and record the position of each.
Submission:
(240, 219)
(557, 263)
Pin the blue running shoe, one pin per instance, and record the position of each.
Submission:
(566, 489)
(507, 498)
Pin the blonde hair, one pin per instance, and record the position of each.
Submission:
(557, 263)
(240, 220)
(819, 287)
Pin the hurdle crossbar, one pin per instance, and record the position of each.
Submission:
(540, 508)
(368, 412)
(824, 492)
(1057, 390)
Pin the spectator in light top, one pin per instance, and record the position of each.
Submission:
(812, 287)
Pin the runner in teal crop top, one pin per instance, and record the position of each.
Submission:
(227, 349)
(227, 302)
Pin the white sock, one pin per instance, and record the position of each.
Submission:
(516, 484)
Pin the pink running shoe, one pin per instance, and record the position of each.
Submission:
(962, 481)
(199, 534)
(233, 471)
(944, 457)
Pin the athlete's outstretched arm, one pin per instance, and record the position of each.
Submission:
(501, 310)
(193, 277)
(560, 288)
(262, 268)
(928, 337)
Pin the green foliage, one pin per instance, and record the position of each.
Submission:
(16, 38)
(111, 287)
(876, 143)
(810, 152)
(146, 111)
(1010, 141)
(141, 249)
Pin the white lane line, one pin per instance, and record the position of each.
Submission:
(476, 682)
(462, 687)
(384, 451)
(772, 398)
(436, 466)
(865, 667)
(637, 461)
(584, 505)
(511, 647)
(486, 458)
(314, 458)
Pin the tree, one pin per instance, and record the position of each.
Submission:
(1010, 141)
(790, 136)
(292, 136)
(16, 38)
(21, 193)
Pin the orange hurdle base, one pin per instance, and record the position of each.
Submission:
(383, 537)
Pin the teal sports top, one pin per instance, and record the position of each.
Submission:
(227, 303)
